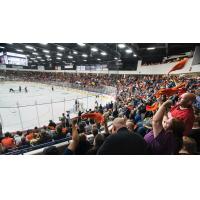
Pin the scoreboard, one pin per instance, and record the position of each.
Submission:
(97, 67)
(14, 59)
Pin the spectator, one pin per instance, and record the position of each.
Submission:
(184, 111)
(63, 120)
(115, 113)
(121, 142)
(195, 133)
(95, 132)
(29, 136)
(18, 138)
(8, 142)
(98, 141)
(83, 146)
(130, 126)
(166, 136)
(52, 124)
(189, 146)
(70, 150)
(52, 150)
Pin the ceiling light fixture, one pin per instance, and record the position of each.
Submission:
(81, 44)
(60, 48)
(46, 51)
(121, 46)
(34, 53)
(134, 55)
(75, 52)
(70, 57)
(103, 53)
(29, 47)
(85, 55)
(129, 50)
(94, 49)
(19, 50)
(150, 48)
(59, 54)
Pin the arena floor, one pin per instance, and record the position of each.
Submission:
(38, 100)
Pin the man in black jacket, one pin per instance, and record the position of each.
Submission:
(122, 142)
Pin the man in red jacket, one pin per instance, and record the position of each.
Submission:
(184, 111)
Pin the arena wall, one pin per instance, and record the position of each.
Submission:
(151, 69)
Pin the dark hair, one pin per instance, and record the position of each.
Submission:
(95, 132)
(52, 150)
(7, 134)
(19, 133)
(99, 139)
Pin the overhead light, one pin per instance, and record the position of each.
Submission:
(85, 55)
(150, 48)
(2, 47)
(35, 61)
(19, 50)
(60, 48)
(119, 60)
(58, 58)
(81, 44)
(70, 57)
(43, 60)
(34, 53)
(48, 56)
(28, 55)
(46, 51)
(73, 61)
(38, 57)
(85, 60)
(29, 47)
(44, 43)
(103, 53)
(121, 46)
(94, 49)
(59, 54)
(134, 55)
(32, 58)
(116, 58)
(98, 59)
(75, 52)
(129, 50)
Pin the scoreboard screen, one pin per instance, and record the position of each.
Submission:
(96, 67)
(14, 59)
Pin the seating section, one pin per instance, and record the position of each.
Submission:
(137, 102)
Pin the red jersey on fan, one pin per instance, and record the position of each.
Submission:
(186, 115)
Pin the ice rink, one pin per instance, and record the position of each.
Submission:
(35, 108)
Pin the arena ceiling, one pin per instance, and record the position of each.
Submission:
(94, 53)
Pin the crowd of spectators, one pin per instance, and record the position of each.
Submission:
(173, 128)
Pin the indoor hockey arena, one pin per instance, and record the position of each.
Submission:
(99, 98)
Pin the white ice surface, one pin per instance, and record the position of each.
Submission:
(40, 93)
